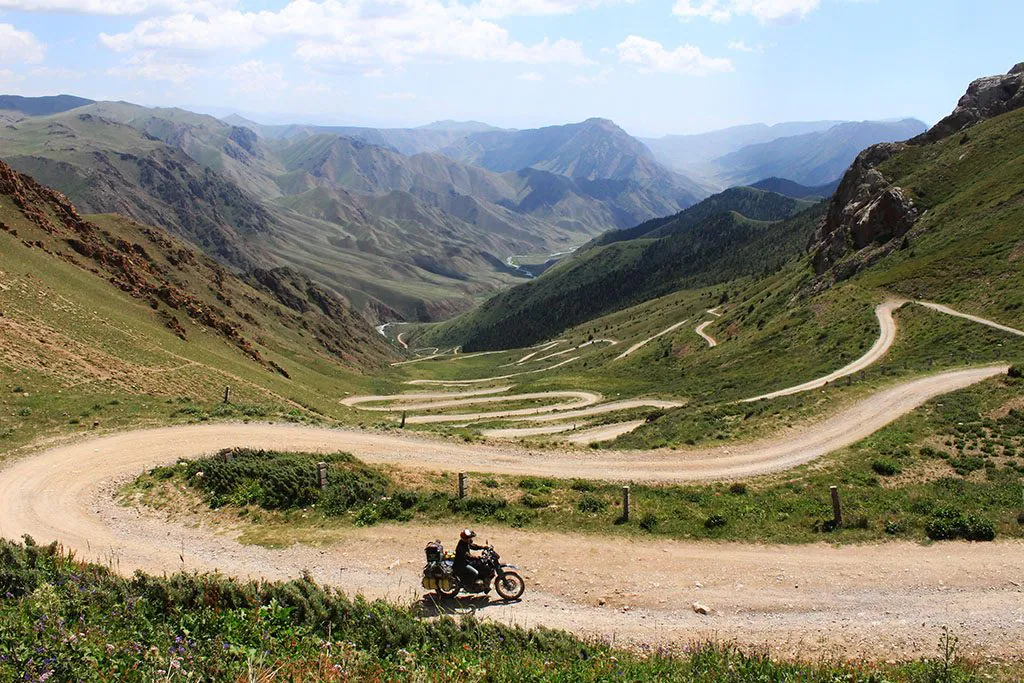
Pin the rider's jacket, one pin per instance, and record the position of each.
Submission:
(462, 552)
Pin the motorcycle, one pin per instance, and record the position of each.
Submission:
(439, 574)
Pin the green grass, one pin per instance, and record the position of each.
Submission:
(66, 620)
(950, 457)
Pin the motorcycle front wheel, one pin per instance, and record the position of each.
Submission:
(510, 586)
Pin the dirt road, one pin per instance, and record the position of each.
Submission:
(886, 336)
(640, 344)
(712, 342)
(887, 600)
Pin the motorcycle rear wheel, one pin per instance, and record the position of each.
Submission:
(510, 586)
(442, 593)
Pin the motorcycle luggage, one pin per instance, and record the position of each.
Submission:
(434, 551)
(432, 583)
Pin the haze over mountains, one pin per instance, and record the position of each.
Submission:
(407, 224)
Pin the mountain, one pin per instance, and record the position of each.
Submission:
(411, 237)
(269, 318)
(938, 216)
(810, 159)
(736, 234)
(686, 152)
(41, 106)
(796, 190)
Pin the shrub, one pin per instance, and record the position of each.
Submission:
(714, 522)
(534, 502)
(490, 482)
(966, 464)
(591, 503)
(885, 467)
(1020, 519)
(537, 484)
(1015, 371)
(894, 527)
(649, 522)
(948, 523)
(738, 489)
(24, 412)
(484, 506)
(582, 485)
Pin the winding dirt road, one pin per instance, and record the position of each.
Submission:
(712, 342)
(887, 600)
(886, 337)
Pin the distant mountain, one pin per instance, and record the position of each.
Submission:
(402, 236)
(741, 232)
(687, 152)
(459, 126)
(809, 159)
(796, 190)
(42, 106)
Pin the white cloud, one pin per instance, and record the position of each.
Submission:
(530, 76)
(686, 60)
(397, 96)
(373, 73)
(600, 77)
(363, 32)
(189, 32)
(116, 7)
(313, 88)
(147, 66)
(740, 46)
(9, 78)
(762, 10)
(255, 76)
(19, 46)
(499, 9)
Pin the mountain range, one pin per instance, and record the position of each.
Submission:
(406, 224)
(810, 153)
(935, 217)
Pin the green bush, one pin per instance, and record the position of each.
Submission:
(649, 522)
(966, 464)
(738, 489)
(534, 502)
(1015, 371)
(885, 467)
(894, 527)
(591, 503)
(1020, 519)
(483, 506)
(949, 523)
(715, 522)
(537, 484)
(582, 485)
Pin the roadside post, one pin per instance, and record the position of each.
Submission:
(625, 503)
(321, 475)
(837, 510)
(462, 484)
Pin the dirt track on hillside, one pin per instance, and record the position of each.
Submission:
(887, 600)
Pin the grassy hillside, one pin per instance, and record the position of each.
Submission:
(710, 243)
(104, 319)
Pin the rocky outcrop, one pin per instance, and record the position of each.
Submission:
(869, 213)
(867, 210)
(985, 98)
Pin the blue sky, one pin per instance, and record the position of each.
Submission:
(653, 66)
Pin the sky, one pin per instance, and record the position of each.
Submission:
(655, 67)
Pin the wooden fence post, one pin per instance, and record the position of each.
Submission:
(321, 475)
(227, 394)
(462, 484)
(625, 503)
(837, 510)
(403, 420)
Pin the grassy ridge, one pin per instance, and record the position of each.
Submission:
(725, 246)
(65, 620)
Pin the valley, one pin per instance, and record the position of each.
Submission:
(648, 369)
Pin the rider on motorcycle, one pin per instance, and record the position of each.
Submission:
(466, 571)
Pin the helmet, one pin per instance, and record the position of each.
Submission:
(467, 534)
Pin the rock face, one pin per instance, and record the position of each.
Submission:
(868, 213)
(985, 98)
